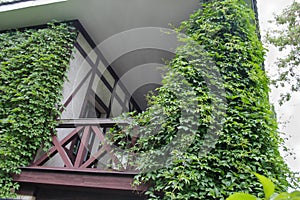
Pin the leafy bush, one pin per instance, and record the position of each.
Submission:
(286, 38)
(221, 35)
(33, 65)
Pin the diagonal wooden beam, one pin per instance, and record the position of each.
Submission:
(83, 147)
(106, 146)
(45, 157)
(64, 156)
(70, 136)
(92, 159)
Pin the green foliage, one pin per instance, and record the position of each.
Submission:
(241, 196)
(269, 191)
(285, 195)
(33, 65)
(286, 38)
(199, 164)
(268, 185)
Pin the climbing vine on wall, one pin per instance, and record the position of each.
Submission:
(248, 140)
(33, 64)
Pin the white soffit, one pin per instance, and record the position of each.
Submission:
(101, 18)
(26, 4)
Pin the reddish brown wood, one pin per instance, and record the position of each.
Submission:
(107, 147)
(70, 154)
(104, 180)
(84, 132)
(92, 159)
(72, 147)
(86, 170)
(102, 122)
(53, 150)
(82, 149)
(64, 156)
(44, 158)
(71, 136)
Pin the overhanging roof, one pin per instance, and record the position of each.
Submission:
(101, 18)
(128, 31)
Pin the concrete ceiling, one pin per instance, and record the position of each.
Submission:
(131, 34)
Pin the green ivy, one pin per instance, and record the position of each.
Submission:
(247, 136)
(33, 64)
(269, 192)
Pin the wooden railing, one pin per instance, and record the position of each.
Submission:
(81, 144)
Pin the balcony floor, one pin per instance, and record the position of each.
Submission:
(54, 183)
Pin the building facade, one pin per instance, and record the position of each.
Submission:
(116, 62)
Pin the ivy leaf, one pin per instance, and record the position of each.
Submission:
(30, 93)
(268, 185)
(241, 196)
(281, 196)
(285, 195)
(295, 195)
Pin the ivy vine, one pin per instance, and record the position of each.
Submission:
(33, 64)
(248, 140)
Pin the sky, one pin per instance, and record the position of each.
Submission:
(288, 114)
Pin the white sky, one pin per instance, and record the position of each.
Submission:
(288, 113)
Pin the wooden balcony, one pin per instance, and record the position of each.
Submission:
(82, 144)
(80, 157)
